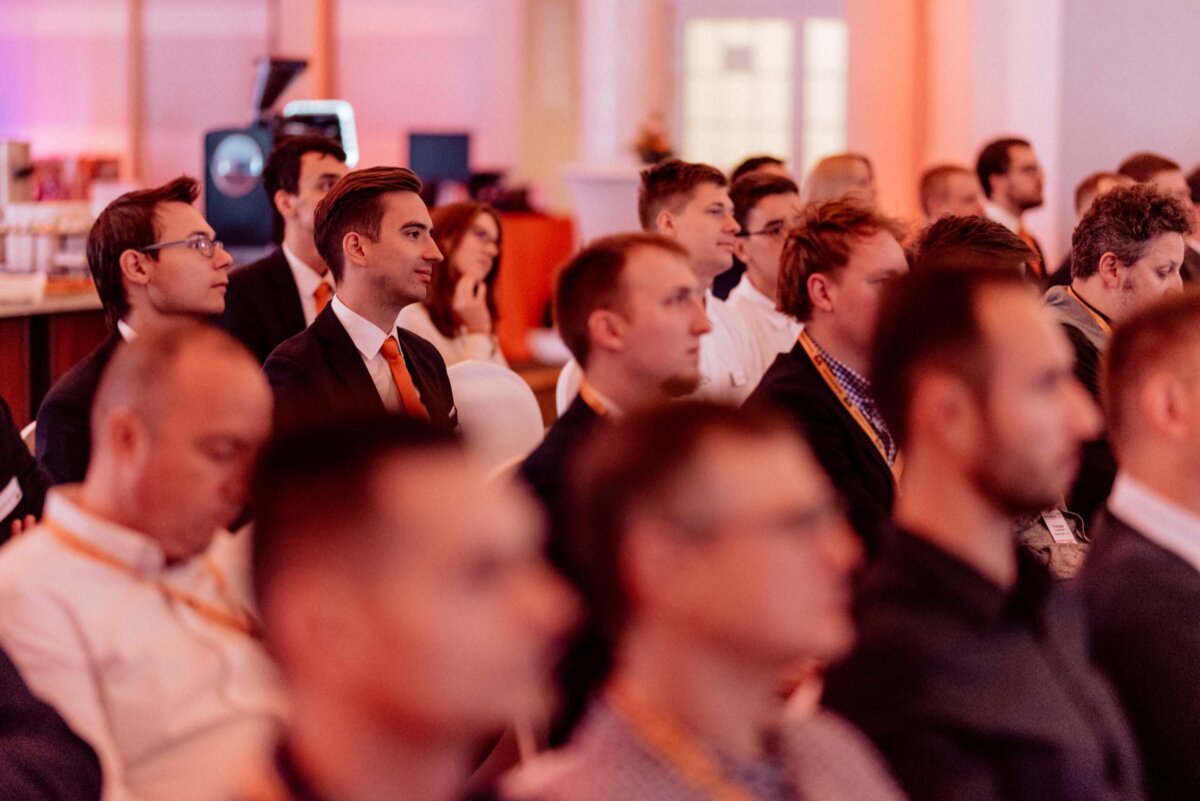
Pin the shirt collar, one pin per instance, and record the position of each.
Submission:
(138, 550)
(127, 333)
(363, 333)
(307, 279)
(750, 293)
(1159, 520)
(857, 385)
(1003, 216)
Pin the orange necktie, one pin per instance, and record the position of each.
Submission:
(323, 294)
(1035, 264)
(409, 398)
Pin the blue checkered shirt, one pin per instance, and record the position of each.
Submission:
(859, 390)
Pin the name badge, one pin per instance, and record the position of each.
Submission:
(10, 496)
(1060, 531)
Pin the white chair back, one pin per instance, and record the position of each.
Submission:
(28, 434)
(497, 412)
(567, 386)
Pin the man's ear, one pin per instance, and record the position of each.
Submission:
(285, 203)
(740, 250)
(664, 223)
(135, 268)
(354, 248)
(606, 330)
(820, 293)
(944, 407)
(1109, 269)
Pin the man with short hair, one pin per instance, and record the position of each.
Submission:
(1193, 181)
(765, 206)
(1141, 583)
(836, 262)
(122, 608)
(972, 673)
(1093, 186)
(408, 604)
(374, 232)
(950, 189)
(1126, 251)
(1160, 171)
(714, 558)
(278, 296)
(769, 165)
(1011, 177)
(974, 241)
(153, 258)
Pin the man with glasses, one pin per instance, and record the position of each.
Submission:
(1011, 177)
(154, 259)
(765, 206)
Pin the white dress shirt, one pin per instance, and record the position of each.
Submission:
(172, 702)
(369, 341)
(774, 331)
(1159, 520)
(466, 346)
(1003, 216)
(307, 281)
(127, 333)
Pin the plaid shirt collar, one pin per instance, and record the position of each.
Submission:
(859, 390)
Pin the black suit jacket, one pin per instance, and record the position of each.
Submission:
(1143, 609)
(793, 386)
(16, 464)
(64, 420)
(1097, 464)
(318, 374)
(262, 305)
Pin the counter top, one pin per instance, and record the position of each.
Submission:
(53, 303)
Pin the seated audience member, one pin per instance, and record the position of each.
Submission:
(409, 607)
(153, 258)
(1011, 177)
(278, 296)
(1141, 583)
(1193, 242)
(950, 189)
(671, 505)
(1166, 175)
(724, 283)
(22, 483)
(836, 262)
(765, 206)
(1126, 251)
(1095, 185)
(968, 242)
(41, 759)
(971, 672)
(374, 232)
(839, 175)
(458, 314)
(121, 608)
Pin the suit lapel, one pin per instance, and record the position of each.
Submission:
(344, 360)
(285, 296)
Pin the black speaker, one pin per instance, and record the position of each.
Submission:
(235, 204)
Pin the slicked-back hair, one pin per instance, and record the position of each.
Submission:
(670, 184)
(930, 319)
(451, 223)
(592, 280)
(282, 170)
(747, 191)
(1123, 222)
(996, 159)
(316, 493)
(1153, 337)
(128, 223)
(753, 164)
(1142, 167)
(934, 182)
(968, 242)
(821, 243)
(355, 203)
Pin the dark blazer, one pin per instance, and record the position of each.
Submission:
(318, 374)
(262, 305)
(1143, 609)
(793, 386)
(18, 465)
(41, 759)
(974, 691)
(64, 420)
(1097, 464)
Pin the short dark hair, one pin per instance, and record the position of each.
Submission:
(128, 223)
(1193, 181)
(1142, 167)
(821, 243)
(995, 159)
(1152, 336)
(969, 242)
(747, 191)
(282, 170)
(312, 484)
(933, 182)
(930, 318)
(355, 203)
(751, 165)
(1123, 222)
(591, 280)
(670, 184)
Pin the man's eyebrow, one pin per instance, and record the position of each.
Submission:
(415, 224)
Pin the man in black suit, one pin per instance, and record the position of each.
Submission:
(374, 232)
(1012, 181)
(972, 671)
(835, 264)
(153, 258)
(278, 296)
(1141, 583)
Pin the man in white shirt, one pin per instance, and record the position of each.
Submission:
(278, 296)
(1141, 582)
(122, 609)
(1011, 177)
(766, 207)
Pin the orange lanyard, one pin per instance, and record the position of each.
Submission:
(1100, 321)
(691, 760)
(848, 404)
(590, 397)
(240, 621)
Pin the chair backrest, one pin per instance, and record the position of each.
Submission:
(497, 412)
(28, 434)
(567, 387)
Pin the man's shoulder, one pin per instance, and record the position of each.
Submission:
(561, 441)
(77, 387)
(1126, 571)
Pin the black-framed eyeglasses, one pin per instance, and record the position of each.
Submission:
(773, 229)
(201, 242)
